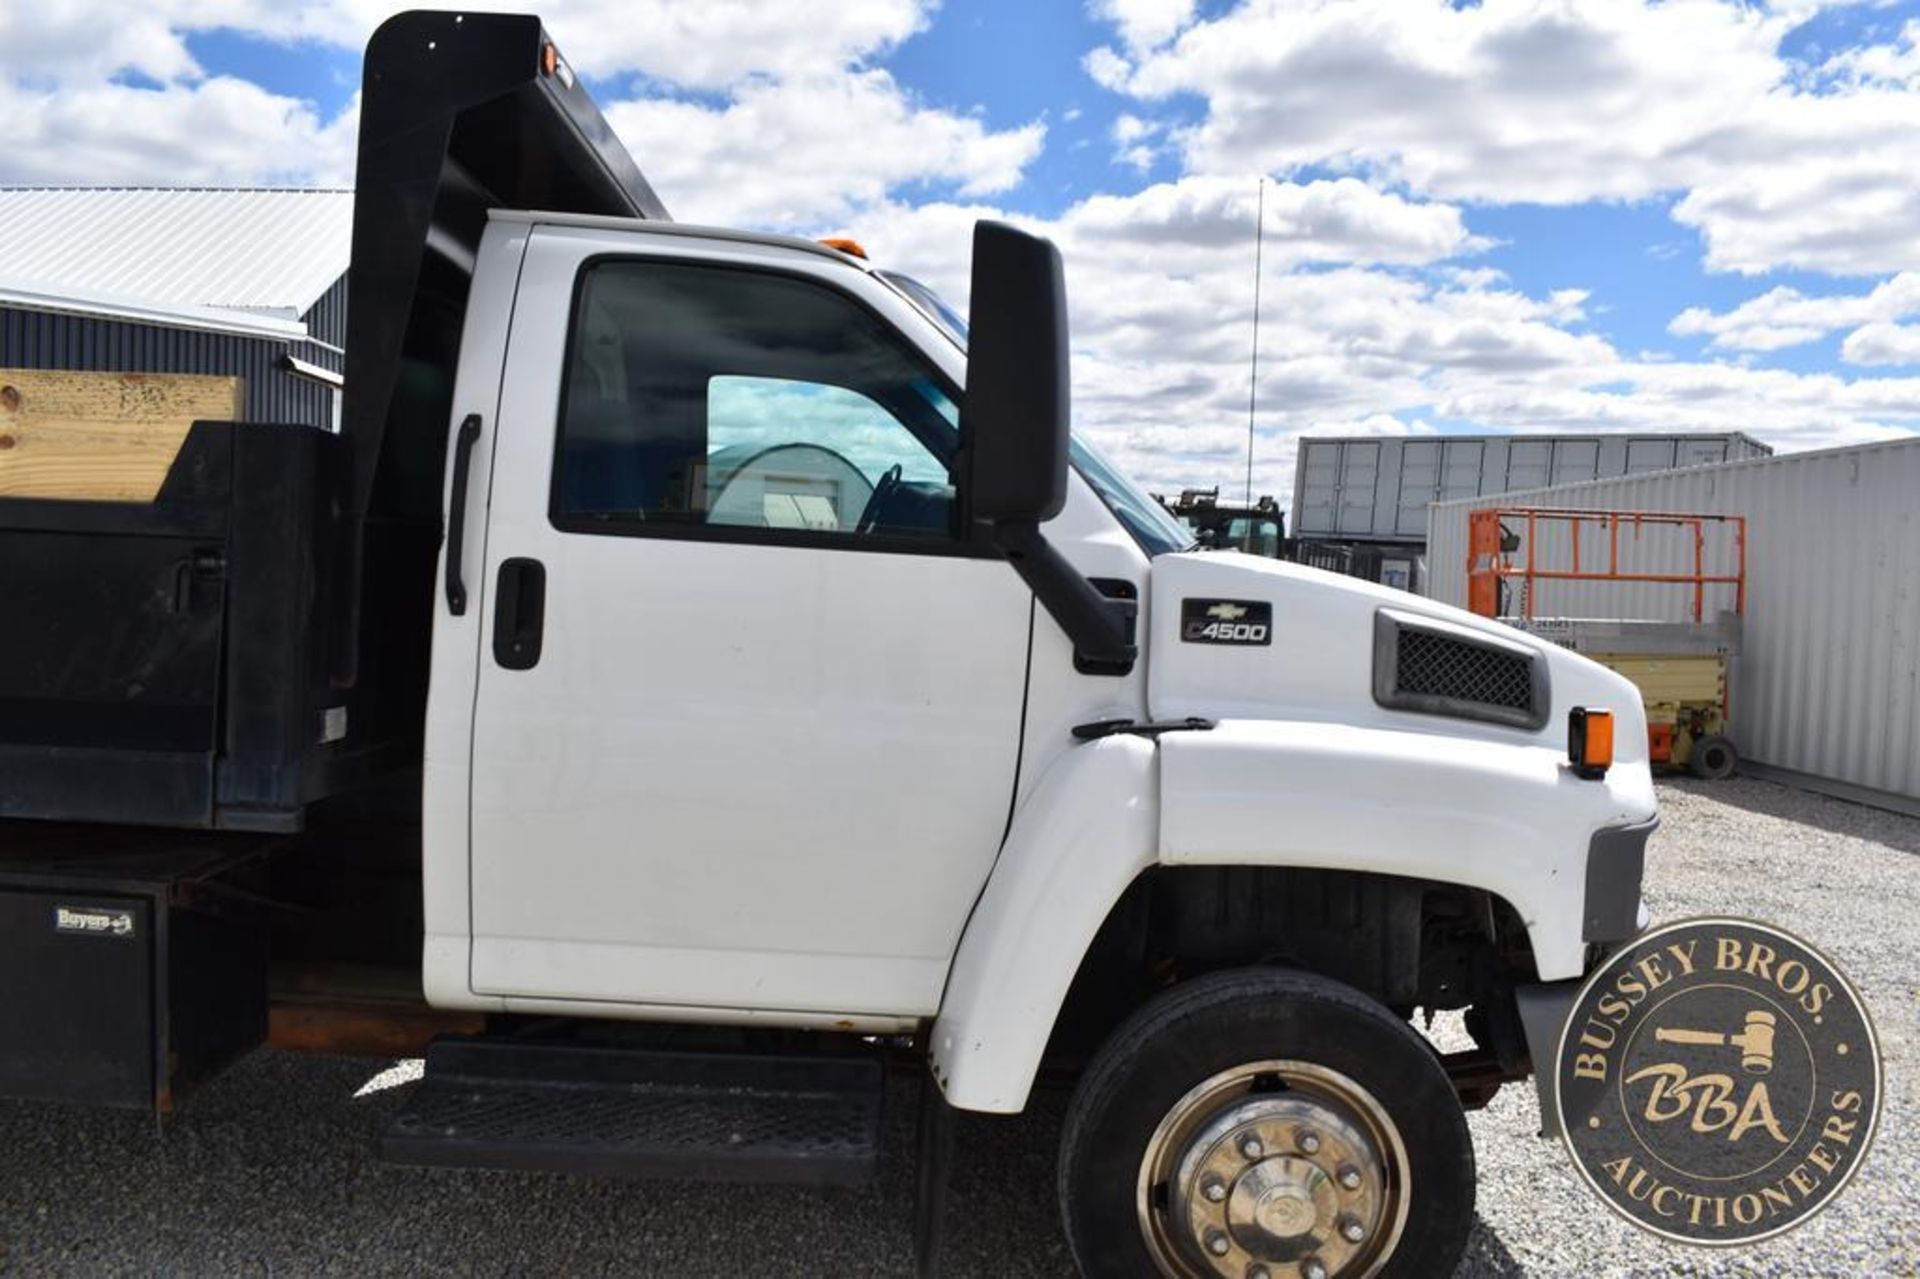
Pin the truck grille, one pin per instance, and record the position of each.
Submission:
(1437, 669)
(1441, 666)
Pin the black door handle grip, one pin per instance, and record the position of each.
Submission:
(457, 512)
(519, 613)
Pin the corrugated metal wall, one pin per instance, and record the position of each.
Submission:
(1379, 489)
(1828, 683)
(44, 340)
(327, 319)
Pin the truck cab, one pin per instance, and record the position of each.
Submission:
(797, 678)
(745, 720)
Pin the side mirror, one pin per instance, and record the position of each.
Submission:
(1015, 417)
(1014, 428)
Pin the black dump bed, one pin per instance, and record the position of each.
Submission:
(255, 637)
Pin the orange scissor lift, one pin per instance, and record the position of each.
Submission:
(1680, 667)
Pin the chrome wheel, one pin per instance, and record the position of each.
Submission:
(1271, 1170)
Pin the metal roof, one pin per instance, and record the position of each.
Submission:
(275, 250)
(1542, 437)
(211, 319)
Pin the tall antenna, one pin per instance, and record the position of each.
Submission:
(1253, 362)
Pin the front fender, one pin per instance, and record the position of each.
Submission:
(1507, 817)
(1089, 828)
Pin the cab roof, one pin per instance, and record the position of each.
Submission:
(648, 226)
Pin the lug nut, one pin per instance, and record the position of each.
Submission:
(1350, 1178)
(1217, 1243)
(1313, 1268)
(1251, 1148)
(1214, 1189)
(1351, 1230)
(1259, 1272)
(1309, 1143)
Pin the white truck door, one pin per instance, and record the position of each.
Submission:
(748, 715)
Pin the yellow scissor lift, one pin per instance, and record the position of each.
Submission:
(1680, 667)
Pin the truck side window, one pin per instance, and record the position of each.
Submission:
(702, 398)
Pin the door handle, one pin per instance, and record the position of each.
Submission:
(519, 613)
(457, 512)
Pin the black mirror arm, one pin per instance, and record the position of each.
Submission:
(1096, 625)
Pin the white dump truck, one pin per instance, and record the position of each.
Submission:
(704, 678)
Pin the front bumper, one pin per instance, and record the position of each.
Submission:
(1543, 1014)
(1613, 915)
(1616, 863)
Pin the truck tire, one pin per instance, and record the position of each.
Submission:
(1268, 1121)
(1713, 758)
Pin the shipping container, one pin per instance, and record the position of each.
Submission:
(1827, 683)
(1378, 489)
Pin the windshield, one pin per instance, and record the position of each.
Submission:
(1148, 521)
(931, 304)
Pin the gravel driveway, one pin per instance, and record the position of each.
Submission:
(269, 1170)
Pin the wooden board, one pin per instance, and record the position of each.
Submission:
(106, 437)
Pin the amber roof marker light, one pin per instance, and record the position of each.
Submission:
(551, 64)
(852, 248)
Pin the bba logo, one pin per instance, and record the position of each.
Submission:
(1226, 622)
(1718, 1081)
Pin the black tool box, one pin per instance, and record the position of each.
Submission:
(148, 959)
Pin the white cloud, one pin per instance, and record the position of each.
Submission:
(49, 43)
(1882, 344)
(1160, 286)
(219, 131)
(1523, 100)
(1826, 183)
(1132, 141)
(796, 153)
(1783, 317)
(1894, 64)
(1339, 220)
(804, 131)
(709, 45)
(1145, 24)
(1108, 69)
(70, 110)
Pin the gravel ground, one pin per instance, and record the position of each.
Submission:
(269, 1170)
(1845, 878)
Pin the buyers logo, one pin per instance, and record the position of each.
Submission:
(1226, 622)
(86, 919)
(1718, 1081)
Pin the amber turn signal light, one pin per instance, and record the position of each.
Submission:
(1590, 742)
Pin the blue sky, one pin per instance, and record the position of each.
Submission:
(1577, 215)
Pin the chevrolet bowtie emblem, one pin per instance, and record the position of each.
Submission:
(1227, 612)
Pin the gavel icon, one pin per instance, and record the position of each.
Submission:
(1755, 1042)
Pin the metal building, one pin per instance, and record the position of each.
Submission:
(247, 283)
(1377, 489)
(1826, 689)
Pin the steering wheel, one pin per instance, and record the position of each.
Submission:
(870, 515)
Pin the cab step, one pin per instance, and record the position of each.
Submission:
(631, 1112)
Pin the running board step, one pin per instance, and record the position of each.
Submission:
(613, 1111)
